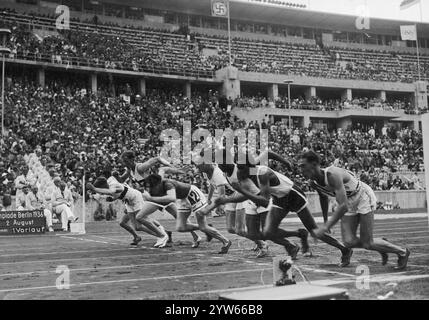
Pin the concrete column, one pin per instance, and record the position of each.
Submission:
(417, 125)
(93, 82)
(273, 92)
(421, 95)
(142, 87)
(306, 121)
(347, 94)
(41, 77)
(382, 95)
(344, 123)
(310, 93)
(187, 89)
(231, 86)
(271, 121)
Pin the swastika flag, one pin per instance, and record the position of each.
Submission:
(219, 8)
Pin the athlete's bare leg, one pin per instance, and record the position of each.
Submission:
(204, 227)
(349, 226)
(124, 224)
(377, 244)
(172, 209)
(310, 224)
(140, 227)
(272, 231)
(240, 222)
(230, 221)
(254, 226)
(182, 222)
(142, 217)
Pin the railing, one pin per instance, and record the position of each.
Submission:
(68, 62)
(325, 108)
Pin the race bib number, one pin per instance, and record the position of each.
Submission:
(194, 197)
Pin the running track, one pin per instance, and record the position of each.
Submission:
(102, 265)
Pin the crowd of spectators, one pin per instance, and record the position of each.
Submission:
(319, 104)
(57, 124)
(373, 156)
(143, 49)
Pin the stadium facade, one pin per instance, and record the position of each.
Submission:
(276, 22)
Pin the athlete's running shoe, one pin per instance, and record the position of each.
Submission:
(294, 252)
(262, 252)
(196, 243)
(225, 248)
(345, 258)
(162, 242)
(136, 241)
(170, 237)
(403, 260)
(306, 251)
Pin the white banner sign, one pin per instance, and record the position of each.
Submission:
(409, 33)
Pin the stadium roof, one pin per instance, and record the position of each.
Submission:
(275, 14)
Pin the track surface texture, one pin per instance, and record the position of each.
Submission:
(102, 265)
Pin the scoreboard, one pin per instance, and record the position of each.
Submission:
(22, 222)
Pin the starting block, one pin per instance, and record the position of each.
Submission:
(293, 292)
(286, 288)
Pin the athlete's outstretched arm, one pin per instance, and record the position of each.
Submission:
(324, 202)
(235, 198)
(108, 192)
(275, 156)
(263, 199)
(169, 170)
(143, 167)
(210, 194)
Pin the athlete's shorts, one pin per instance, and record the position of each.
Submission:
(133, 201)
(251, 209)
(195, 201)
(363, 202)
(294, 201)
(234, 206)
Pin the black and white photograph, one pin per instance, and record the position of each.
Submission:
(210, 157)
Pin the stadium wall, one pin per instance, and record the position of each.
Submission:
(49, 9)
(264, 113)
(326, 83)
(405, 199)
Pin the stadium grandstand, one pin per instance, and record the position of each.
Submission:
(122, 72)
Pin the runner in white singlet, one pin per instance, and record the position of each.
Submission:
(132, 199)
(356, 206)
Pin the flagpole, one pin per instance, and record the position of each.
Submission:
(229, 34)
(418, 54)
(417, 35)
(421, 11)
